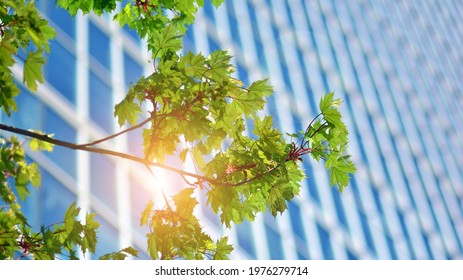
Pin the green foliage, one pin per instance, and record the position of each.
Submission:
(21, 26)
(33, 69)
(192, 101)
(57, 240)
(36, 144)
(121, 254)
(127, 110)
(176, 233)
(87, 6)
(328, 139)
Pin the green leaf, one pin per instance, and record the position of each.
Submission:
(69, 217)
(34, 175)
(152, 247)
(127, 110)
(217, 3)
(223, 249)
(219, 66)
(121, 254)
(89, 238)
(145, 215)
(33, 69)
(260, 88)
(86, 6)
(36, 144)
(168, 40)
(340, 168)
(185, 203)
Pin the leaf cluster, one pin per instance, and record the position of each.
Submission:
(328, 139)
(21, 27)
(176, 233)
(16, 235)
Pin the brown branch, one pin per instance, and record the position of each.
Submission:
(73, 146)
(183, 173)
(116, 134)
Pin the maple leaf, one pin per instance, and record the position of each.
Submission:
(33, 69)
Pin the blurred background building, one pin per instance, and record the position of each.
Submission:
(397, 66)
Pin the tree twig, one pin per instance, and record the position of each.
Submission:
(200, 178)
(116, 134)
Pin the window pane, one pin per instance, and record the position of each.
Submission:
(30, 114)
(63, 157)
(274, 243)
(101, 103)
(139, 198)
(245, 239)
(108, 239)
(58, 16)
(55, 197)
(103, 181)
(133, 70)
(99, 45)
(60, 71)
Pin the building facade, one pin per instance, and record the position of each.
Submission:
(396, 66)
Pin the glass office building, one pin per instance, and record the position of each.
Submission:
(397, 66)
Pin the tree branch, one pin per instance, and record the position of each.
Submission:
(73, 146)
(86, 147)
(116, 134)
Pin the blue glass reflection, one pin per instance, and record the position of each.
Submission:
(101, 103)
(60, 71)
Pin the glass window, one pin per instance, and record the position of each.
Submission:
(139, 198)
(55, 199)
(133, 70)
(391, 247)
(427, 245)
(108, 238)
(213, 45)
(136, 142)
(243, 74)
(63, 157)
(296, 220)
(311, 187)
(103, 181)
(245, 239)
(274, 243)
(257, 38)
(189, 41)
(339, 208)
(132, 33)
(367, 233)
(233, 23)
(101, 103)
(324, 236)
(60, 71)
(209, 10)
(99, 45)
(30, 114)
(405, 233)
(351, 255)
(60, 17)
(377, 199)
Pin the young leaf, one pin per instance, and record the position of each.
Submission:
(33, 69)
(145, 215)
(168, 40)
(36, 144)
(127, 110)
(217, 3)
(90, 227)
(223, 249)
